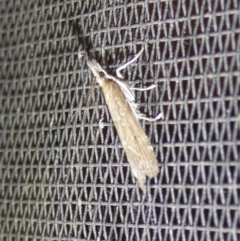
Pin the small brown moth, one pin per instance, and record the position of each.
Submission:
(120, 101)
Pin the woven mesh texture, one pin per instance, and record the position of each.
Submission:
(64, 173)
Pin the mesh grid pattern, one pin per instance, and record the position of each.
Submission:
(66, 178)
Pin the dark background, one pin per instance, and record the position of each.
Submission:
(66, 177)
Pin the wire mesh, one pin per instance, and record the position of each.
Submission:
(65, 176)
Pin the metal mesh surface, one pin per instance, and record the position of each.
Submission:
(67, 178)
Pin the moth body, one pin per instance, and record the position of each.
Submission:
(120, 99)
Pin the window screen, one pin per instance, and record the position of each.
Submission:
(64, 173)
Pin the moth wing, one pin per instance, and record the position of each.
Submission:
(138, 149)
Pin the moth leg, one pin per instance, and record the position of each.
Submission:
(159, 116)
(119, 75)
(144, 89)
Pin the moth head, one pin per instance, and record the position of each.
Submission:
(97, 70)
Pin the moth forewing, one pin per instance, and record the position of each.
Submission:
(138, 149)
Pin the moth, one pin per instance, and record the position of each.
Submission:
(120, 100)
